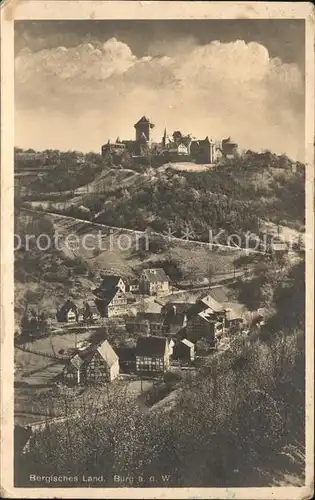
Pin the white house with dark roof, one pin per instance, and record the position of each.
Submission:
(154, 282)
(68, 313)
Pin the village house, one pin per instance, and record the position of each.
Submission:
(133, 286)
(146, 322)
(233, 319)
(202, 326)
(98, 363)
(152, 355)
(111, 299)
(103, 365)
(91, 312)
(154, 282)
(207, 322)
(112, 302)
(184, 350)
(68, 313)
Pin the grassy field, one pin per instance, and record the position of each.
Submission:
(36, 369)
(120, 247)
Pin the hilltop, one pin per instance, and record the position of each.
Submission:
(235, 196)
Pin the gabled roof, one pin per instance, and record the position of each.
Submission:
(211, 303)
(67, 306)
(110, 280)
(92, 306)
(188, 343)
(208, 315)
(151, 346)
(155, 275)
(232, 314)
(107, 353)
(144, 119)
(76, 361)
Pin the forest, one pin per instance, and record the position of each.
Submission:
(228, 197)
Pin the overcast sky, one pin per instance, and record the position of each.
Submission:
(79, 83)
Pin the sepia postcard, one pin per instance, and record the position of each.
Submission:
(157, 249)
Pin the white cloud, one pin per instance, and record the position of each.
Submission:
(215, 89)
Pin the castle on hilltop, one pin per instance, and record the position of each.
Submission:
(175, 147)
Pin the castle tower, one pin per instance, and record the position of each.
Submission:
(164, 139)
(209, 150)
(212, 151)
(143, 127)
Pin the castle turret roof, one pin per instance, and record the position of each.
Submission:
(142, 120)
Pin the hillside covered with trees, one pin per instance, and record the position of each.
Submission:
(235, 196)
(231, 197)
